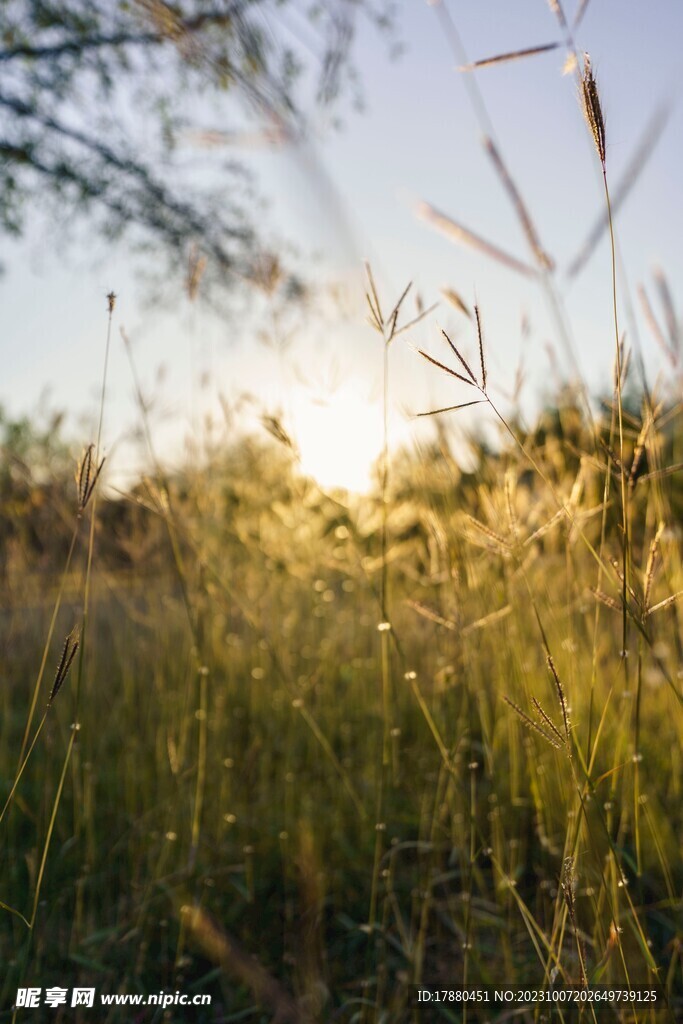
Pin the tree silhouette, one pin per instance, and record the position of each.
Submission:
(95, 99)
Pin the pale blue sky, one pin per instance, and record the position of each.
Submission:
(351, 194)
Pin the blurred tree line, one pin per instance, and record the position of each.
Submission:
(247, 499)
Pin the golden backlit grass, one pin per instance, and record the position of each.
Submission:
(457, 779)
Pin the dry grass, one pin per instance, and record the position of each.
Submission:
(260, 664)
(320, 750)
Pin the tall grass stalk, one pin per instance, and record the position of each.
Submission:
(543, 262)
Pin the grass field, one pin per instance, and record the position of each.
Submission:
(371, 743)
(303, 752)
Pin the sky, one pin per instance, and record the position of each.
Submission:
(351, 193)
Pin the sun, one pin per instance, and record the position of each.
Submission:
(339, 438)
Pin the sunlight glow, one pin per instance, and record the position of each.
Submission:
(339, 438)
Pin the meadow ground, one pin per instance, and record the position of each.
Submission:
(313, 751)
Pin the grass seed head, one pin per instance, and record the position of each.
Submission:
(530, 724)
(560, 696)
(568, 886)
(482, 359)
(592, 108)
(69, 649)
(87, 475)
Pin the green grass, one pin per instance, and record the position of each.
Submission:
(235, 739)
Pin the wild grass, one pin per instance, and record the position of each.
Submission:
(234, 739)
(320, 749)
